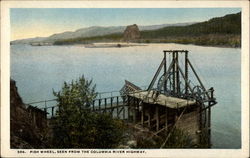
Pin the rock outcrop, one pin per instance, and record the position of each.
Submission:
(27, 124)
(131, 33)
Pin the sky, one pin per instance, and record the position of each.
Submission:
(43, 22)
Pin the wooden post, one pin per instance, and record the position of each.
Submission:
(177, 75)
(165, 71)
(209, 125)
(134, 114)
(174, 66)
(157, 118)
(52, 111)
(212, 94)
(117, 103)
(105, 104)
(45, 108)
(142, 114)
(111, 102)
(100, 100)
(128, 108)
(186, 73)
(133, 110)
(93, 105)
(111, 106)
(123, 106)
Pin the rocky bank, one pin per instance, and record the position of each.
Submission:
(28, 124)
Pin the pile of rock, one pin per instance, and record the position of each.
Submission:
(131, 33)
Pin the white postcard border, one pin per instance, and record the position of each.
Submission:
(5, 74)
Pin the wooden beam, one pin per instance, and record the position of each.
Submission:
(156, 75)
(109, 108)
(165, 128)
(170, 51)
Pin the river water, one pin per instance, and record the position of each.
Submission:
(38, 70)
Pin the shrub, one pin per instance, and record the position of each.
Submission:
(76, 126)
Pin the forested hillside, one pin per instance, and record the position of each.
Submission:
(219, 31)
(229, 24)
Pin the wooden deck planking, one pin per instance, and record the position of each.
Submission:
(171, 102)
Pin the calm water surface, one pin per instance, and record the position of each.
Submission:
(38, 70)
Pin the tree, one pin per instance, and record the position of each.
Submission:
(76, 126)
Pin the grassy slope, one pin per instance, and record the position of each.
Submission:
(221, 31)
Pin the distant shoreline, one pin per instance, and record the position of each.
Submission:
(216, 40)
(122, 45)
(195, 41)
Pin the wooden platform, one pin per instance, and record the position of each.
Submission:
(171, 102)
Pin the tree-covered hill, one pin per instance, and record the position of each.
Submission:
(219, 31)
(229, 24)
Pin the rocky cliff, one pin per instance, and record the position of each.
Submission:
(131, 33)
(27, 127)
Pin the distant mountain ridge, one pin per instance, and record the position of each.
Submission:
(91, 32)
